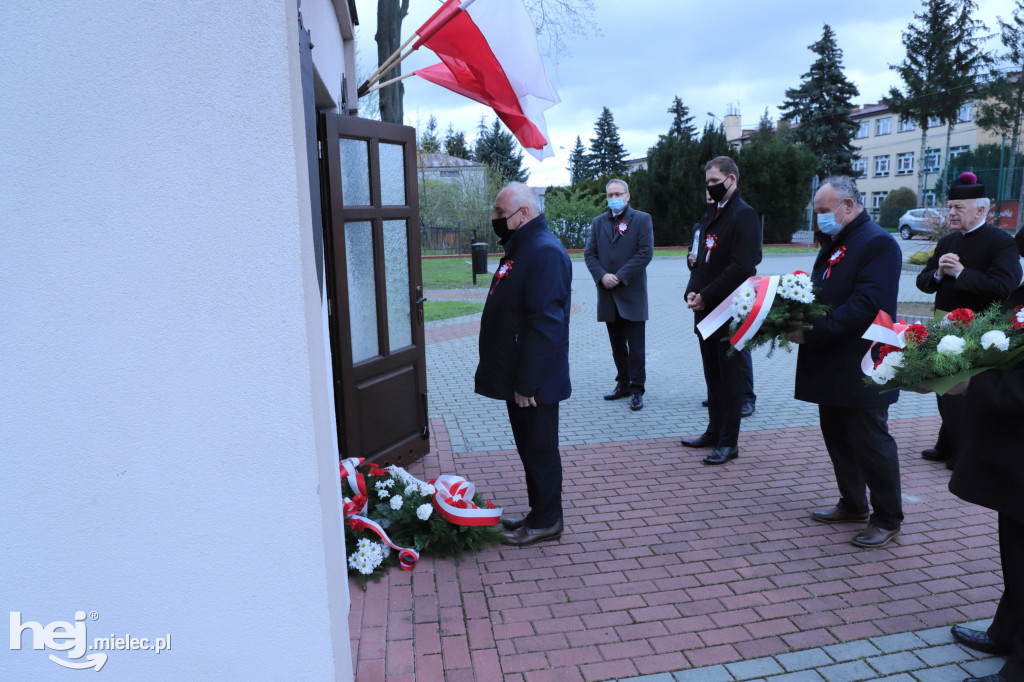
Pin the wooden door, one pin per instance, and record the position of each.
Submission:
(371, 237)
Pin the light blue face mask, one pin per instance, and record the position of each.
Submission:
(827, 223)
(616, 204)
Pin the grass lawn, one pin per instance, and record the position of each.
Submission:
(451, 273)
(442, 310)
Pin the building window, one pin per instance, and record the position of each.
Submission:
(882, 166)
(450, 174)
(934, 122)
(883, 126)
(958, 151)
(907, 124)
(877, 199)
(966, 113)
(905, 163)
(931, 160)
(860, 168)
(929, 198)
(864, 130)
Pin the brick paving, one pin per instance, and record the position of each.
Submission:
(670, 570)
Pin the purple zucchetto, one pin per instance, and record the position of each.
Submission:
(966, 186)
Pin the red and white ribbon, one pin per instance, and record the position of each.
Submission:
(454, 502)
(882, 330)
(766, 288)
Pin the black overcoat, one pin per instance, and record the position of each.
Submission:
(524, 329)
(865, 280)
(989, 468)
(736, 251)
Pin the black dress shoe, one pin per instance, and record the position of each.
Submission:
(524, 535)
(933, 455)
(747, 409)
(619, 392)
(722, 454)
(874, 537)
(837, 515)
(702, 441)
(704, 403)
(988, 678)
(637, 403)
(978, 640)
(513, 522)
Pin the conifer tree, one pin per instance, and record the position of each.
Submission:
(429, 144)
(927, 71)
(1002, 110)
(579, 164)
(682, 123)
(497, 148)
(455, 143)
(607, 155)
(820, 108)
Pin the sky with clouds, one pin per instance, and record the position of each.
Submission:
(637, 56)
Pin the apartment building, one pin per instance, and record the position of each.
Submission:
(890, 151)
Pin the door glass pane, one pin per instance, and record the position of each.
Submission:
(362, 294)
(396, 270)
(355, 172)
(392, 174)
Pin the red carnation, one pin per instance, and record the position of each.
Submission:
(356, 525)
(1017, 319)
(885, 350)
(915, 334)
(377, 471)
(961, 317)
(799, 272)
(490, 505)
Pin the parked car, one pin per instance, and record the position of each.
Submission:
(922, 221)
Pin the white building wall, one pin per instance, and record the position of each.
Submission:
(166, 431)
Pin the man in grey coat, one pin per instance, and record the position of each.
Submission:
(620, 246)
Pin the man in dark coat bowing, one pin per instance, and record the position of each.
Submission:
(727, 255)
(858, 272)
(524, 353)
(973, 266)
(620, 246)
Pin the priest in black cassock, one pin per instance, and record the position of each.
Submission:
(973, 266)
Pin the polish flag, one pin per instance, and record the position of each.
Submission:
(489, 53)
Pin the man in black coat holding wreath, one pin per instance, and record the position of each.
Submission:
(727, 255)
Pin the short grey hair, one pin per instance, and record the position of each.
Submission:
(523, 195)
(985, 203)
(846, 188)
(616, 180)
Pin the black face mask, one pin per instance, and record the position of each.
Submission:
(718, 192)
(501, 228)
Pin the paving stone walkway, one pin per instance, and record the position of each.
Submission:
(671, 571)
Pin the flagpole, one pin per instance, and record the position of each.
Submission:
(387, 65)
(386, 84)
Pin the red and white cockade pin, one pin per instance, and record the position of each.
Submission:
(709, 243)
(622, 227)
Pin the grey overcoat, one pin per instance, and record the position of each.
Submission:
(621, 246)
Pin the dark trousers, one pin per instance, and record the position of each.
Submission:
(627, 338)
(864, 458)
(1007, 627)
(952, 409)
(747, 376)
(725, 388)
(535, 430)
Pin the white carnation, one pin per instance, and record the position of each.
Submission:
(886, 370)
(396, 502)
(423, 511)
(951, 345)
(427, 489)
(995, 338)
(411, 488)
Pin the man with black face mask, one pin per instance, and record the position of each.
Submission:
(728, 252)
(524, 353)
